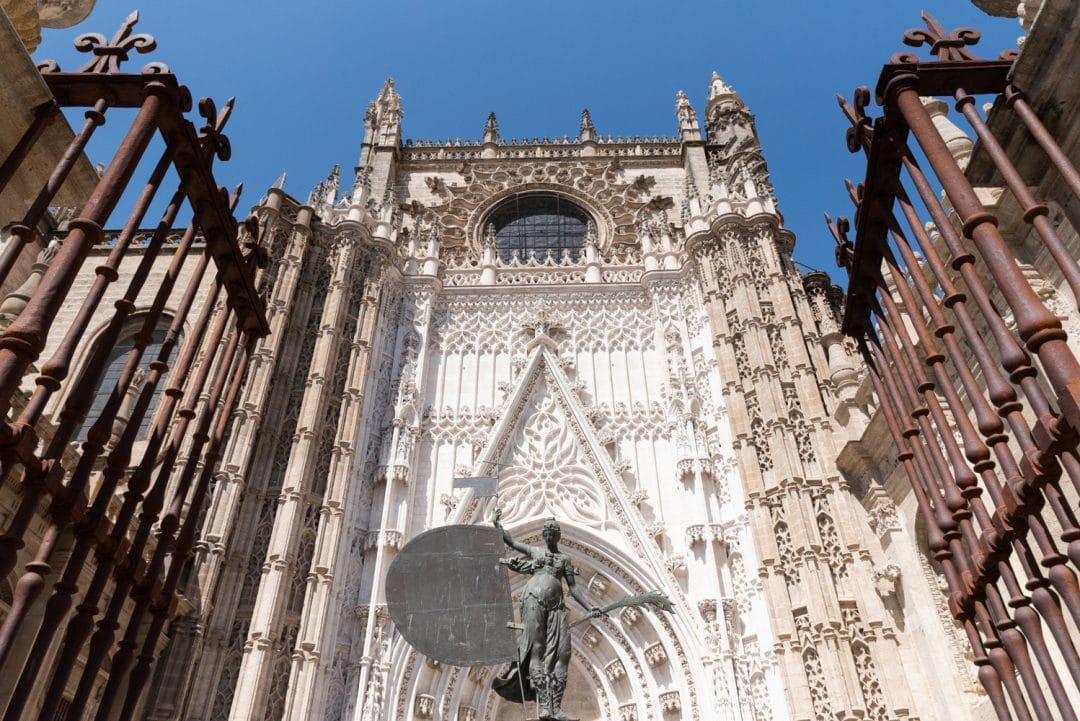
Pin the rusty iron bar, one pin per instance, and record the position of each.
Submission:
(1013, 357)
(1006, 574)
(1039, 467)
(55, 370)
(946, 538)
(941, 538)
(988, 421)
(988, 674)
(150, 505)
(977, 452)
(1037, 460)
(1035, 213)
(952, 515)
(44, 114)
(1039, 328)
(128, 566)
(24, 339)
(1017, 102)
(945, 541)
(21, 343)
(962, 494)
(124, 660)
(89, 526)
(161, 608)
(23, 232)
(80, 399)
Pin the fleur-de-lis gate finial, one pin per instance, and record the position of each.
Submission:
(845, 249)
(946, 47)
(211, 134)
(108, 54)
(861, 133)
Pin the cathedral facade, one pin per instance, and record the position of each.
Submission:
(613, 327)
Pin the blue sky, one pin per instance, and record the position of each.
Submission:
(303, 73)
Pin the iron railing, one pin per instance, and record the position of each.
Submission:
(134, 550)
(984, 411)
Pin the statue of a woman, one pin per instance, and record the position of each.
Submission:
(544, 651)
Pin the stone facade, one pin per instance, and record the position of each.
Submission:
(679, 396)
(671, 395)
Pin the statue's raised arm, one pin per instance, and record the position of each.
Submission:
(507, 538)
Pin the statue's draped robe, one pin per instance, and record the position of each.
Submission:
(544, 619)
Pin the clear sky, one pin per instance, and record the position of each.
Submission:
(303, 73)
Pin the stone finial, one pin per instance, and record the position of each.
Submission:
(362, 180)
(689, 127)
(17, 300)
(333, 183)
(280, 182)
(591, 236)
(491, 129)
(587, 132)
(683, 109)
(325, 192)
(718, 88)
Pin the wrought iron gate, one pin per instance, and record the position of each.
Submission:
(972, 370)
(129, 522)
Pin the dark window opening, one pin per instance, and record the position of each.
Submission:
(538, 224)
(117, 358)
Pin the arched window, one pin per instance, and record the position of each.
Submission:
(117, 358)
(536, 224)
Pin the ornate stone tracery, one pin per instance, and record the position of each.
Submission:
(543, 473)
(596, 185)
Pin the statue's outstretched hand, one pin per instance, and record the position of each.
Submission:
(495, 516)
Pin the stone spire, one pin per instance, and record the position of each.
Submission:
(588, 130)
(491, 129)
(384, 116)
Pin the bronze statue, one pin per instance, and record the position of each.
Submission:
(544, 651)
(462, 562)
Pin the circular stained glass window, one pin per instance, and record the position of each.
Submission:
(538, 224)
